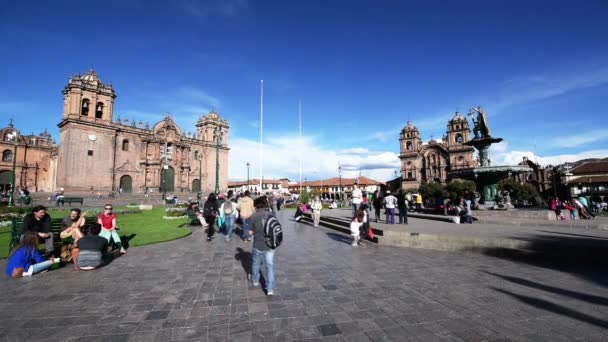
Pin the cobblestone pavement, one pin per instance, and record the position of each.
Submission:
(190, 289)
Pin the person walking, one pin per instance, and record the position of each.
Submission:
(107, 220)
(210, 211)
(246, 209)
(378, 204)
(390, 202)
(316, 207)
(356, 198)
(229, 214)
(260, 249)
(402, 206)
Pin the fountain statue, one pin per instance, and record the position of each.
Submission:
(487, 176)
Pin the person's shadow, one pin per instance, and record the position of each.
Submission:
(246, 258)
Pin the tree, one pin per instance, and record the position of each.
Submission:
(522, 192)
(457, 189)
(432, 191)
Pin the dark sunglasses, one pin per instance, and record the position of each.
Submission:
(108, 208)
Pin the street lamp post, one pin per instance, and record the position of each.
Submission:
(248, 175)
(340, 176)
(11, 199)
(217, 159)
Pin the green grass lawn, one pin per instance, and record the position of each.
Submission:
(147, 227)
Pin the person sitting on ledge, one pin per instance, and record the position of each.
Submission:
(39, 222)
(92, 248)
(194, 211)
(300, 210)
(70, 225)
(107, 220)
(25, 259)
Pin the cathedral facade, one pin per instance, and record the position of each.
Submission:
(34, 157)
(432, 162)
(101, 152)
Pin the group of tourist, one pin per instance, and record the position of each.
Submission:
(86, 245)
(578, 207)
(223, 212)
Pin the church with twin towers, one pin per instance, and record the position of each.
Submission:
(98, 150)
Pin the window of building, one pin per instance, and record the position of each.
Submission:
(408, 145)
(166, 151)
(459, 139)
(409, 175)
(7, 156)
(90, 153)
(84, 111)
(125, 145)
(99, 110)
(195, 154)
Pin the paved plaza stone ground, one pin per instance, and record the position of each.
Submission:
(190, 289)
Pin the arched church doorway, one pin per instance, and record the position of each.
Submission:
(126, 184)
(167, 180)
(196, 185)
(5, 180)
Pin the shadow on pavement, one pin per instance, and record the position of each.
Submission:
(556, 290)
(245, 258)
(584, 257)
(555, 308)
(340, 238)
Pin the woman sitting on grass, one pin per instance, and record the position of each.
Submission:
(92, 248)
(25, 259)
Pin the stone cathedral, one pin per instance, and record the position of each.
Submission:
(100, 151)
(423, 163)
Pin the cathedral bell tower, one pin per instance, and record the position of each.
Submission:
(410, 145)
(458, 132)
(88, 98)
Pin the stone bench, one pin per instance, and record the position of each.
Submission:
(17, 228)
(70, 200)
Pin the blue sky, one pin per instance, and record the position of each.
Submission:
(360, 68)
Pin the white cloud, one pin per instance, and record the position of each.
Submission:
(282, 159)
(500, 155)
(542, 86)
(581, 139)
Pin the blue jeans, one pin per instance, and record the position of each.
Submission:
(229, 225)
(256, 264)
(41, 266)
(390, 215)
(245, 228)
(355, 207)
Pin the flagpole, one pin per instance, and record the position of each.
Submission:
(300, 140)
(261, 135)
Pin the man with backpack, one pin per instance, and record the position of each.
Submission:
(267, 235)
(246, 209)
(229, 214)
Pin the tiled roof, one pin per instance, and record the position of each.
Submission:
(254, 182)
(594, 167)
(590, 179)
